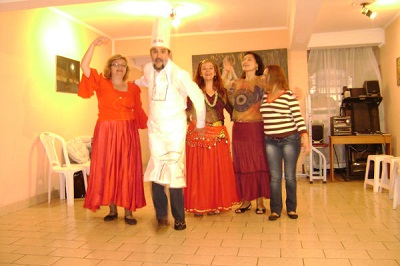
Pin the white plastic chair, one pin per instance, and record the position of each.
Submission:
(396, 184)
(377, 159)
(387, 179)
(63, 167)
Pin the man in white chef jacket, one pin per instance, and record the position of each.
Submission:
(168, 86)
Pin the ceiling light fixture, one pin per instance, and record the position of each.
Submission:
(365, 11)
(175, 19)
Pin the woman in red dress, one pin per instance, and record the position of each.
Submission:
(116, 174)
(211, 185)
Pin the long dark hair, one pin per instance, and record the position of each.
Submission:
(259, 62)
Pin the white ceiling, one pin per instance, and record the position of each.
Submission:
(131, 19)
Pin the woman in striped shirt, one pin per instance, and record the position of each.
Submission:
(285, 134)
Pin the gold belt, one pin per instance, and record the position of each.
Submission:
(215, 124)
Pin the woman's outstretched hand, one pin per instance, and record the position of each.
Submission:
(100, 41)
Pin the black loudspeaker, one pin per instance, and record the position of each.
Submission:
(79, 185)
(356, 157)
(372, 88)
(317, 133)
(365, 118)
(358, 92)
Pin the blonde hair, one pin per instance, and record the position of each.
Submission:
(107, 68)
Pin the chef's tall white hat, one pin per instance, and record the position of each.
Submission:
(161, 32)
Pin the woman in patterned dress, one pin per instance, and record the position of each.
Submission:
(249, 156)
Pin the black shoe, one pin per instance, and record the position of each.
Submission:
(293, 215)
(111, 217)
(180, 224)
(242, 209)
(130, 221)
(273, 216)
(162, 222)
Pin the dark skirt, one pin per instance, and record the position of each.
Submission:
(116, 173)
(250, 160)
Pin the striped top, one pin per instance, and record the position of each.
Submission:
(282, 116)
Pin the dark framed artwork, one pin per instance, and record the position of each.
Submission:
(398, 70)
(270, 57)
(67, 74)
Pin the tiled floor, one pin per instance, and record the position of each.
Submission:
(339, 223)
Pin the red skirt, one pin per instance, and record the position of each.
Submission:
(250, 160)
(116, 173)
(211, 183)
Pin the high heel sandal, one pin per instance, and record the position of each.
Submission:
(242, 209)
(260, 210)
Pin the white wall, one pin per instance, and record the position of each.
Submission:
(390, 89)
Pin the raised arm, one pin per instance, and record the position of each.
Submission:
(87, 58)
(228, 74)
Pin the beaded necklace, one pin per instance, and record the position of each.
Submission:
(215, 99)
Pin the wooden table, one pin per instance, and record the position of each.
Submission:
(385, 139)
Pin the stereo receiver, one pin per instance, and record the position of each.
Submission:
(340, 125)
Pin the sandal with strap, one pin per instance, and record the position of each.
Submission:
(260, 210)
(242, 209)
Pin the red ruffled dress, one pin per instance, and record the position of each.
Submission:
(116, 173)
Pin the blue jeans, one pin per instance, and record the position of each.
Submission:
(288, 150)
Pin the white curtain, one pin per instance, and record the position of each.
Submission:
(330, 70)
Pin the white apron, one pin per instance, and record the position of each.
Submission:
(167, 148)
(167, 131)
(167, 124)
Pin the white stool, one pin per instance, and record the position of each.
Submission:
(387, 179)
(396, 184)
(377, 159)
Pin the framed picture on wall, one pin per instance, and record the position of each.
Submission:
(67, 74)
(398, 70)
(232, 61)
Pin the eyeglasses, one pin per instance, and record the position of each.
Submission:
(118, 65)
